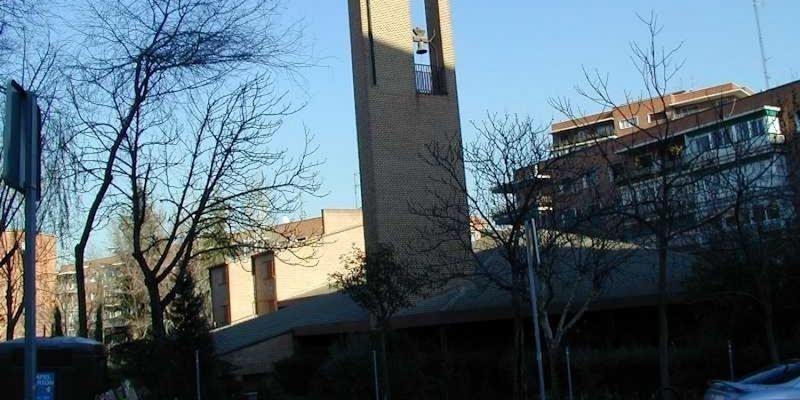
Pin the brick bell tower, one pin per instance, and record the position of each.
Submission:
(406, 102)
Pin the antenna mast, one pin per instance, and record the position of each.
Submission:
(761, 45)
(355, 189)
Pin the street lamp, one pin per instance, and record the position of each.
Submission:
(534, 259)
(533, 247)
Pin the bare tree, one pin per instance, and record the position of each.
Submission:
(657, 187)
(216, 169)
(11, 278)
(14, 15)
(32, 59)
(576, 270)
(138, 59)
(135, 306)
(750, 263)
(11, 273)
(749, 253)
(510, 164)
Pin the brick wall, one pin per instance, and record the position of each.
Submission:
(396, 125)
(45, 282)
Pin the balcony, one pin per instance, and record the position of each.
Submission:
(430, 80)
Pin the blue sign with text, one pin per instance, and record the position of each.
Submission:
(46, 386)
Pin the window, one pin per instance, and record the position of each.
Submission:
(569, 216)
(680, 112)
(773, 211)
(701, 144)
(590, 179)
(226, 314)
(605, 130)
(566, 186)
(797, 121)
(701, 188)
(629, 123)
(759, 213)
(222, 275)
(721, 137)
(644, 161)
(614, 172)
(743, 131)
(779, 166)
(656, 117)
(756, 127)
(264, 266)
(269, 269)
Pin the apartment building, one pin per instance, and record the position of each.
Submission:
(261, 283)
(627, 119)
(709, 145)
(107, 286)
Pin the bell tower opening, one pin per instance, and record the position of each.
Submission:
(429, 72)
(420, 24)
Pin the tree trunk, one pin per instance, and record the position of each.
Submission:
(80, 247)
(663, 323)
(156, 311)
(9, 330)
(769, 331)
(554, 362)
(387, 391)
(518, 375)
(447, 368)
(9, 310)
(80, 279)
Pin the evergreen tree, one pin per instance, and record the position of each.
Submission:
(98, 323)
(190, 332)
(58, 327)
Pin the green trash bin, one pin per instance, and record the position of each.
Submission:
(73, 367)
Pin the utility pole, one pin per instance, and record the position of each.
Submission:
(197, 371)
(355, 189)
(761, 45)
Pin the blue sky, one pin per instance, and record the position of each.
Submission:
(514, 55)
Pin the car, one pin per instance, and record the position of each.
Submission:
(779, 382)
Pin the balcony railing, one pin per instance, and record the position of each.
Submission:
(430, 80)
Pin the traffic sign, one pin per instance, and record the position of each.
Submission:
(45, 386)
(21, 139)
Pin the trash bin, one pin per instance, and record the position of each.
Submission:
(74, 367)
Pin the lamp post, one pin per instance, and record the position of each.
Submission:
(533, 257)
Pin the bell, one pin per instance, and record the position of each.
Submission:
(422, 48)
(420, 40)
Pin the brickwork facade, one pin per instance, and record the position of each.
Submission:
(258, 284)
(11, 282)
(397, 124)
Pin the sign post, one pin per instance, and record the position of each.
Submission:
(21, 163)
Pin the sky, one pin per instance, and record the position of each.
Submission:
(515, 55)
